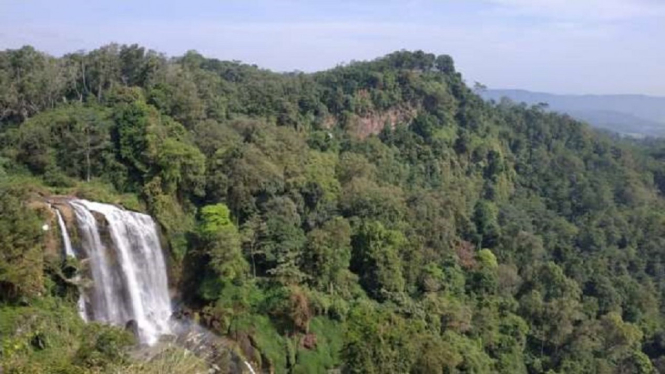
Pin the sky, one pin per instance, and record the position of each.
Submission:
(557, 46)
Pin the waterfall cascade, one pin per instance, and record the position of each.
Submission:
(125, 261)
(69, 252)
(66, 240)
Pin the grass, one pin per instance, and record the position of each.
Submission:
(329, 341)
(170, 360)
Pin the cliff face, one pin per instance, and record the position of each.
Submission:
(373, 123)
(48, 204)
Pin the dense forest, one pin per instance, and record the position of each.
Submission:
(378, 217)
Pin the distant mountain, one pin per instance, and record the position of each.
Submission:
(634, 115)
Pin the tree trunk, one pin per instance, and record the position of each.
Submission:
(253, 262)
(84, 89)
(87, 155)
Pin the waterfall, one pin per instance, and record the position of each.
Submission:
(69, 252)
(249, 367)
(123, 258)
(126, 266)
(66, 241)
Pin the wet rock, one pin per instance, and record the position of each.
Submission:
(133, 327)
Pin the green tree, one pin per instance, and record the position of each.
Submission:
(328, 254)
(221, 242)
(282, 241)
(376, 260)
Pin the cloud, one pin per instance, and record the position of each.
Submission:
(583, 10)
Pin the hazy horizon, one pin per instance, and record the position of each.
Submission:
(572, 94)
(551, 46)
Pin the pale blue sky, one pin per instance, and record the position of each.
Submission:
(560, 46)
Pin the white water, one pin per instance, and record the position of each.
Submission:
(69, 252)
(129, 273)
(251, 370)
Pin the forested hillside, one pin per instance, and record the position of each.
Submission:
(378, 217)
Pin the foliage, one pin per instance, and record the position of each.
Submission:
(21, 248)
(375, 217)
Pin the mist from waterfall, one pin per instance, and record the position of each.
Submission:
(124, 259)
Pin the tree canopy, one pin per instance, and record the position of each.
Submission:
(378, 217)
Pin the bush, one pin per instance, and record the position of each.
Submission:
(103, 346)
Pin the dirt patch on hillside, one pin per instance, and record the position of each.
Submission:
(373, 123)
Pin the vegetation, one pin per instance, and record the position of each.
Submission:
(378, 217)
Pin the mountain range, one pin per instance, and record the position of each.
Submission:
(631, 115)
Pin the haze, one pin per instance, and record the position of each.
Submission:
(588, 46)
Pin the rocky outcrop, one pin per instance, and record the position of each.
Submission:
(373, 123)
